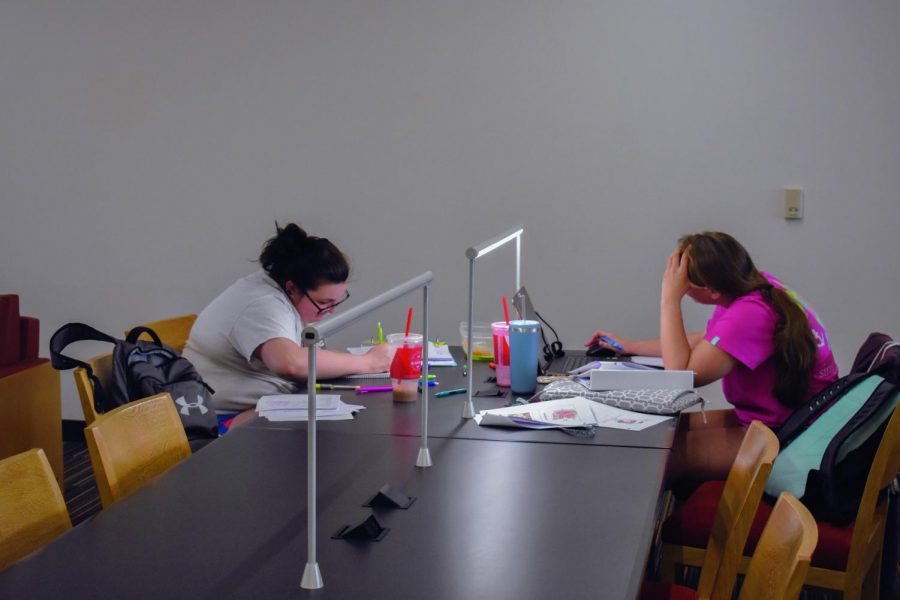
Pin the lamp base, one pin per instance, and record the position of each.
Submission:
(424, 458)
(468, 409)
(312, 577)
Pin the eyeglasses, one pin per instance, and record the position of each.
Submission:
(332, 306)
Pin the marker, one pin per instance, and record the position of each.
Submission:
(611, 342)
(430, 384)
(331, 386)
(430, 377)
(376, 388)
(446, 393)
(380, 332)
(465, 369)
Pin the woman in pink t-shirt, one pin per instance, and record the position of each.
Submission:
(763, 341)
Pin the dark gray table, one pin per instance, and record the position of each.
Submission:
(384, 416)
(491, 520)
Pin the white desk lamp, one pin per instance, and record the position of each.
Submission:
(311, 335)
(472, 254)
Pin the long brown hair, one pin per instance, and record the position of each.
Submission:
(718, 261)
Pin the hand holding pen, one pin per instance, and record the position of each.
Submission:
(607, 339)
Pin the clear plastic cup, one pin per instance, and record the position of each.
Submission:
(500, 331)
(406, 365)
(481, 340)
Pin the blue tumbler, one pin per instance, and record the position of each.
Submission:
(523, 356)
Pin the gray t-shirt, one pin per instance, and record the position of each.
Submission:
(250, 312)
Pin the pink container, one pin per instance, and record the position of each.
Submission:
(500, 331)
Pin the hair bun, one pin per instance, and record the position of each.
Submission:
(293, 235)
(294, 255)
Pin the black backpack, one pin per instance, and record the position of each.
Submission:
(828, 445)
(139, 369)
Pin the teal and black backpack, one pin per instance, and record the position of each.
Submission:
(828, 445)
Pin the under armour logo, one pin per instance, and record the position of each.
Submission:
(187, 406)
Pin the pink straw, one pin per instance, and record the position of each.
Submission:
(408, 321)
(505, 310)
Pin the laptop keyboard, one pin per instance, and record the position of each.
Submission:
(567, 363)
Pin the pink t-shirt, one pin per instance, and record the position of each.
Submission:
(746, 330)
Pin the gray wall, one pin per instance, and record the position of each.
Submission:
(146, 149)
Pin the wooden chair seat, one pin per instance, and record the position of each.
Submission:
(133, 444)
(32, 509)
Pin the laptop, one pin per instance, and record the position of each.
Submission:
(555, 360)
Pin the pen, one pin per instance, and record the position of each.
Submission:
(446, 393)
(376, 388)
(611, 342)
(380, 333)
(331, 386)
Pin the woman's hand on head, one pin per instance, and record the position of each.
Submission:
(675, 283)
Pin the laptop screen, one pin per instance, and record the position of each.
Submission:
(556, 360)
(524, 307)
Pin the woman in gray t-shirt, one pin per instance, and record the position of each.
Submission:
(246, 343)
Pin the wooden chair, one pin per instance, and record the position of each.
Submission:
(172, 332)
(781, 560)
(731, 518)
(102, 368)
(847, 558)
(780, 563)
(32, 509)
(133, 444)
(31, 413)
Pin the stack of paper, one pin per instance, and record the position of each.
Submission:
(567, 412)
(295, 407)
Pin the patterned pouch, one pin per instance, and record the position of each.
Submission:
(655, 401)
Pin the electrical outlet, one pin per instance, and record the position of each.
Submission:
(793, 203)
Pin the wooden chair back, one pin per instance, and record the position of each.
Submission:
(740, 498)
(32, 509)
(781, 559)
(172, 332)
(102, 368)
(133, 444)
